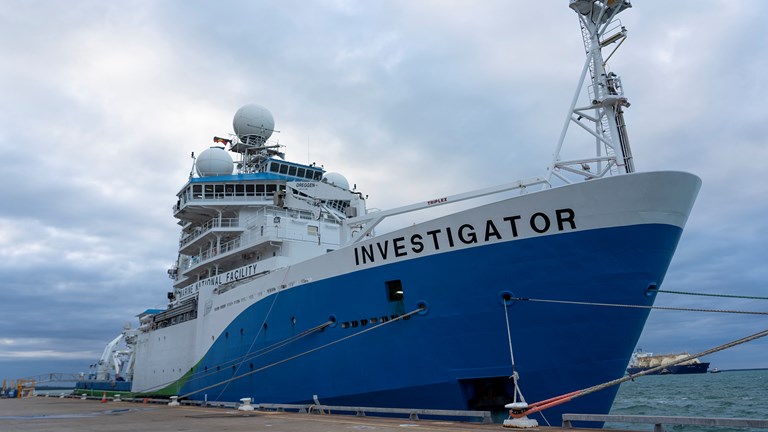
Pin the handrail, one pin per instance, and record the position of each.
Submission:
(659, 421)
(413, 413)
(207, 227)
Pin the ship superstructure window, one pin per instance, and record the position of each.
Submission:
(227, 191)
(394, 290)
(295, 170)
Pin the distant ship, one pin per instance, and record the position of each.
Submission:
(642, 361)
(284, 292)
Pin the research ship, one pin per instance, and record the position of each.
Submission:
(283, 290)
(642, 361)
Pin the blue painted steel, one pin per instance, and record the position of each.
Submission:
(455, 356)
(241, 177)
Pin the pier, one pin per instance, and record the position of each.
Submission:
(72, 414)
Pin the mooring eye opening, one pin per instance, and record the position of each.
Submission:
(506, 298)
(332, 320)
(423, 307)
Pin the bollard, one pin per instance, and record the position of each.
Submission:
(246, 406)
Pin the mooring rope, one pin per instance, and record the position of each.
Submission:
(261, 327)
(227, 381)
(714, 295)
(539, 406)
(515, 377)
(241, 359)
(574, 302)
(238, 361)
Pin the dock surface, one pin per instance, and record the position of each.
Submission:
(45, 414)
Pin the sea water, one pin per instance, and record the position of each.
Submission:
(732, 394)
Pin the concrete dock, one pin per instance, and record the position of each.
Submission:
(45, 414)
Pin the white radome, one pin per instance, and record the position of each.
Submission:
(253, 120)
(337, 180)
(214, 161)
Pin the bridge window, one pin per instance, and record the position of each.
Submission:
(283, 169)
(300, 172)
(274, 167)
(292, 171)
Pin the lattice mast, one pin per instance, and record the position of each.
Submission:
(602, 117)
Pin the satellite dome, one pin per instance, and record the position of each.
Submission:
(214, 161)
(253, 121)
(336, 179)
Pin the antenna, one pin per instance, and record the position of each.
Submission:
(192, 170)
(602, 116)
(254, 125)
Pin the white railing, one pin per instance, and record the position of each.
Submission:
(222, 196)
(271, 230)
(207, 227)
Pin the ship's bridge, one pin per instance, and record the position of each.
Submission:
(201, 193)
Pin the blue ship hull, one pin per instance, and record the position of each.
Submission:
(455, 354)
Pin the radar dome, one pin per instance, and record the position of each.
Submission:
(253, 121)
(214, 161)
(336, 179)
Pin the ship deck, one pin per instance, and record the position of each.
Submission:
(76, 415)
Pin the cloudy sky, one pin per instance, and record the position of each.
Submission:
(102, 103)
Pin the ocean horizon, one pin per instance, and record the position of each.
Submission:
(732, 393)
